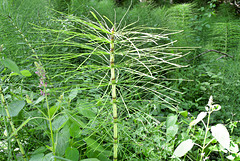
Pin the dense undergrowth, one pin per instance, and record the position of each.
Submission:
(169, 59)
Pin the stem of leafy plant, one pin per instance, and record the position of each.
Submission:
(12, 125)
(50, 121)
(114, 102)
(42, 75)
(205, 137)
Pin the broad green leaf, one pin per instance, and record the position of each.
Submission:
(90, 159)
(72, 154)
(48, 157)
(199, 118)
(220, 133)
(171, 120)
(10, 65)
(183, 148)
(26, 73)
(86, 111)
(74, 130)
(37, 157)
(42, 149)
(54, 109)
(73, 94)
(62, 141)
(172, 131)
(184, 113)
(59, 122)
(14, 108)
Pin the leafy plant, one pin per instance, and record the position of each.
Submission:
(219, 133)
(12, 109)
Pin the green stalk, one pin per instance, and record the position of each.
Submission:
(205, 137)
(114, 97)
(50, 121)
(12, 125)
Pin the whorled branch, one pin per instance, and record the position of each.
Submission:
(114, 97)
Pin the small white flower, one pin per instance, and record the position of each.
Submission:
(210, 101)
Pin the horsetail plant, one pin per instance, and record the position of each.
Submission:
(114, 97)
(118, 60)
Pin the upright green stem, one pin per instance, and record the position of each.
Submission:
(42, 74)
(205, 137)
(12, 125)
(114, 102)
(50, 121)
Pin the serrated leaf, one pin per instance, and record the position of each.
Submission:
(183, 148)
(10, 65)
(26, 73)
(220, 133)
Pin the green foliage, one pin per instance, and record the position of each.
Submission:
(74, 122)
(179, 18)
(219, 133)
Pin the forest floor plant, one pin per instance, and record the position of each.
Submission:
(9, 117)
(219, 133)
(139, 59)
